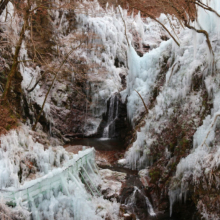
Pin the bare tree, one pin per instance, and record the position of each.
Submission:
(32, 12)
(184, 10)
(17, 51)
(55, 77)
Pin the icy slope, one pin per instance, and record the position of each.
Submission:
(24, 163)
(21, 158)
(191, 86)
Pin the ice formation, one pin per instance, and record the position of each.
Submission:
(144, 70)
(182, 63)
(25, 164)
(20, 154)
(109, 29)
(109, 44)
(204, 156)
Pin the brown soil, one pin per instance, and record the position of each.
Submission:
(110, 157)
(8, 120)
(73, 148)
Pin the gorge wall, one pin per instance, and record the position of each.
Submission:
(175, 143)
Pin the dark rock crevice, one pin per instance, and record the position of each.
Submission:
(119, 125)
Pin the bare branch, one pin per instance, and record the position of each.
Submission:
(142, 101)
(212, 125)
(201, 32)
(67, 56)
(3, 4)
(119, 8)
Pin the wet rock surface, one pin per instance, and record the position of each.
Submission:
(119, 183)
(115, 123)
(112, 183)
(144, 177)
(134, 200)
(132, 189)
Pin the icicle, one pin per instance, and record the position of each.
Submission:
(195, 43)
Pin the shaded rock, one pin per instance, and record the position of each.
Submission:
(123, 80)
(119, 125)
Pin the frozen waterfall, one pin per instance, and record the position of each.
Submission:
(112, 115)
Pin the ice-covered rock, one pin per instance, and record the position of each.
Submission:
(112, 183)
(144, 177)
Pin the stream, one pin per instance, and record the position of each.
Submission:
(133, 197)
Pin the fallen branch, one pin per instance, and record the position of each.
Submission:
(142, 101)
(201, 32)
(171, 73)
(216, 117)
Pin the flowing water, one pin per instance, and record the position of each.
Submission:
(109, 130)
(133, 196)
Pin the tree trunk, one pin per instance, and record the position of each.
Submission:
(3, 4)
(15, 59)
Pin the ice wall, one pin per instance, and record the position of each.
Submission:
(108, 35)
(182, 64)
(106, 44)
(142, 75)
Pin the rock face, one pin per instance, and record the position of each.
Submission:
(134, 198)
(66, 109)
(129, 191)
